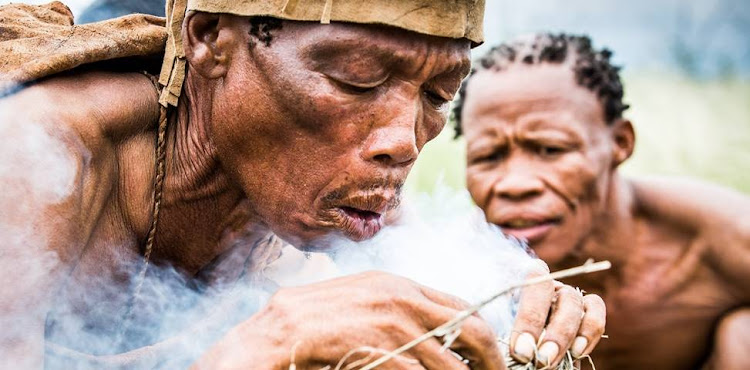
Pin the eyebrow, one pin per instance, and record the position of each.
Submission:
(545, 130)
(325, 51)
(548, 122)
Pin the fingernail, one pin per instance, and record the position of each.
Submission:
(524, 348)
(579, 345)
(547, 352)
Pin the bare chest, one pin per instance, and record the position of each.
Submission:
(659, 322)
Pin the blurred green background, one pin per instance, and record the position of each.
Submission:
(686, 75)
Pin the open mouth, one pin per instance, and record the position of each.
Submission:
(530, 230)
(361, 213)
(360, 224)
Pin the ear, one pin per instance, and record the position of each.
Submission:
(208, 43)
(623, 137)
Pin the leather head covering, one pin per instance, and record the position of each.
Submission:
(459, 19)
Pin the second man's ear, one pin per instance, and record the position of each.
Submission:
(623, 137)
(207, 48)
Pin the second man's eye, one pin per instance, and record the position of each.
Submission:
(494, 156)
(550, 151)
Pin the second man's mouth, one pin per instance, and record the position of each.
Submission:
(531, 230)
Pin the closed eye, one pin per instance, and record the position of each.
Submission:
(435, 99)
(357, 88)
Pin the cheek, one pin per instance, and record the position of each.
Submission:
(577, 177)
(479, 183)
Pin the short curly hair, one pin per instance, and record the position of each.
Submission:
(592, 68)
(261, 28)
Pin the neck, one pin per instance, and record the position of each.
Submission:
(194, 172)
(201, 203)
(612, 237)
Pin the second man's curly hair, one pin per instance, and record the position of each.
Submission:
(592, 68)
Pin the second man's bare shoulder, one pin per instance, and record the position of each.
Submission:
(715, 215)
(701, 206)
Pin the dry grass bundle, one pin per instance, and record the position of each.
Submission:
(568, 362)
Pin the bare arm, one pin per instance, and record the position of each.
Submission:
(730, 253)
(731, 341)
(729, 237)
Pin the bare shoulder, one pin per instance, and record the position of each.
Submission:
(59, 139)
(700, 205)
(717, 216)
(57, 174)
(97, 105)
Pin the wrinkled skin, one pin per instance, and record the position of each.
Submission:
(309, 137)
(543, 164)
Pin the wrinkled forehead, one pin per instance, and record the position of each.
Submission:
(530, 96)
(453, 19)
(320, 41)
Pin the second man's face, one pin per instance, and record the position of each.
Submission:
(539, 155)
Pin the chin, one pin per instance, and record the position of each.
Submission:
(328, 243)
(552, 252)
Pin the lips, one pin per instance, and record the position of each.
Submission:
(531, 228)
(359, 224)
(361, 216)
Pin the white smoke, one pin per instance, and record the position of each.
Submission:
(442, 241)
(36, 173)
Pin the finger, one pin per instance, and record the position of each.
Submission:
(444, 299)
(564, 322)
(532, 315)
(592, 326)
(476, 342)
(432, 356)
(400, 362)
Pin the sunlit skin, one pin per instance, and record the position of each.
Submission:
(309, 137)
(543, 164)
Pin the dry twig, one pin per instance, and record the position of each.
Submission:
(450, 328)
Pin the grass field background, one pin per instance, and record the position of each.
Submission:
(684, 126)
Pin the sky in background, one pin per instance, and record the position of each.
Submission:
(705, 38)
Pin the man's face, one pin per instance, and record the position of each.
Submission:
(539, 155)
(321, 128)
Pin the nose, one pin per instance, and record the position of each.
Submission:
(394, 143)
(392, 147)
(518, 185)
